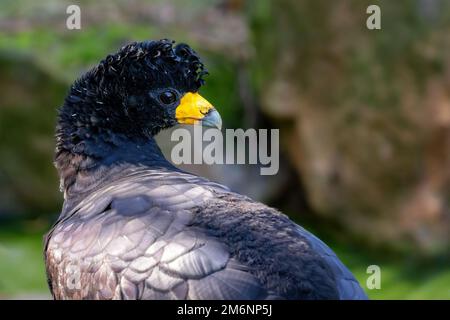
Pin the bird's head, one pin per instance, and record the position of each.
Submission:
(130, 96)
(143, 88)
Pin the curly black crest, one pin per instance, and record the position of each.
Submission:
(159, 58)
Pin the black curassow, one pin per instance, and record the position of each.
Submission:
(133, 226)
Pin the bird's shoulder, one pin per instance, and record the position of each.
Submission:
(135, 239)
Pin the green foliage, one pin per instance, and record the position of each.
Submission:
(68, 54)
(400, 278)
(22, 261)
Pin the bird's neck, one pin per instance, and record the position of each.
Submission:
(102, 159)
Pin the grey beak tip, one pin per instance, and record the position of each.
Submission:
(212, 119)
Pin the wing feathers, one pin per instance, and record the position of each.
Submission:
(135, 239)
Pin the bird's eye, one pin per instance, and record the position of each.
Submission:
(168, 97)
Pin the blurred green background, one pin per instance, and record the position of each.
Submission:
(364, 118)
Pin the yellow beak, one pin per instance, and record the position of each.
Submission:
(194, 109)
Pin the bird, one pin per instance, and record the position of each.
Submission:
(134, 226)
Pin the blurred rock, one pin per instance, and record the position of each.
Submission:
(365, 115)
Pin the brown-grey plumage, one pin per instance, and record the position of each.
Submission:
(135, 227)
